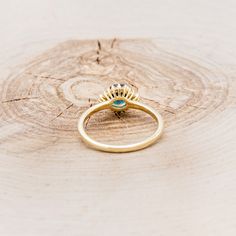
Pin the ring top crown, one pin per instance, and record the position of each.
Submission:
(119, 95)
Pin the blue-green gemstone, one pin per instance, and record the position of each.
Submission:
(119, 104)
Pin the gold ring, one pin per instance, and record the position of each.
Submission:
(118, 98)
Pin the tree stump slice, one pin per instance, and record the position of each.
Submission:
(182, 185)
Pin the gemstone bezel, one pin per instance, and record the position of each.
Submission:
(119, 95)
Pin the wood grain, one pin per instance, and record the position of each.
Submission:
(48, 94)
(56, 57)
(52, 184)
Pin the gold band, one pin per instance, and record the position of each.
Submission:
(120, 148)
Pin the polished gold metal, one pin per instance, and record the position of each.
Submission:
(120, 97)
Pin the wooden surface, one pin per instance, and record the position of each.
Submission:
(180, 56)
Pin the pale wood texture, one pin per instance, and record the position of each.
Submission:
(52, 184)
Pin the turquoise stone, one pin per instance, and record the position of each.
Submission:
(119, 104)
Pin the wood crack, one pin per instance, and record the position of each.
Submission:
(113, 42)
(44, 76)
(60, 113)
(19, 99)
(98, 60)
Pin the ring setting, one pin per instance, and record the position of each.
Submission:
(118, 98)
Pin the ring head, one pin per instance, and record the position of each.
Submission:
(119, 96)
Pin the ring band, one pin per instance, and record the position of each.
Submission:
(120, 97)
